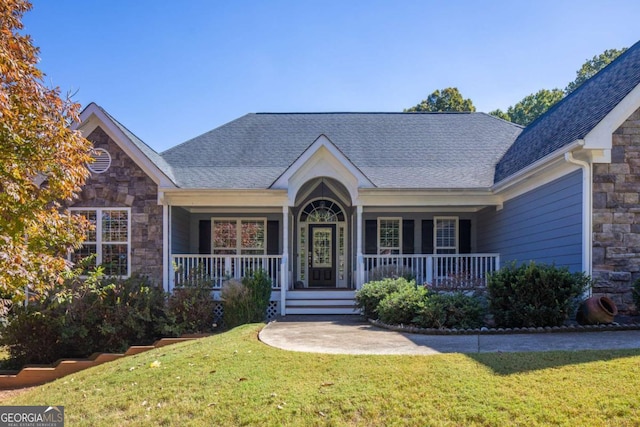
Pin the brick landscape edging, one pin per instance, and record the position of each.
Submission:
(33, 375)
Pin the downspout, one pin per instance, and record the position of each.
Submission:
(587, 211)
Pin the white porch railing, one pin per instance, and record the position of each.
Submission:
(217, 268)
(459, 270)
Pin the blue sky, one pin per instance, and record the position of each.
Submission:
(171, 70)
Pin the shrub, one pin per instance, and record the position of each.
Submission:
(31, 337)
(246, 301)
(451, 310)
(193, 309)
(192, 305)
(259, 285)
(236, 301)
(402, 306)
(78, 318)
(369, 296)
(532, 295)
(391, 271)
(462, 281)
(130, 311)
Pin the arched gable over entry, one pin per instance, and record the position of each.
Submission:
(322, 159)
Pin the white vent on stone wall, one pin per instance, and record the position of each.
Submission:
(101, 160)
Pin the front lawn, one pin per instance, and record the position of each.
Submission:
(232, 379)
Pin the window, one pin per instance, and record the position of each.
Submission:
(446, 233)
(389, 236)
(108, 239)
(239, 236)
(322, 211)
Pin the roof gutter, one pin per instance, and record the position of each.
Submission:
(587, 211)
(529, 170)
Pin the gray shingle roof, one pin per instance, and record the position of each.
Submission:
(394, 150)
(575, 116)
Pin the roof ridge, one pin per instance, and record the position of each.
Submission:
(366, 112)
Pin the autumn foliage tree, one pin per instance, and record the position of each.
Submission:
(42, 165)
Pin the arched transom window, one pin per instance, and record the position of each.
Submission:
(322, 211)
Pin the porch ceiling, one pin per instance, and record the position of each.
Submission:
(432, 200)
(471, 200)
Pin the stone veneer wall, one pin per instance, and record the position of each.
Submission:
(125, 184)
(616, 217)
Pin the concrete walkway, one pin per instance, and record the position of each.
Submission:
(353, 335)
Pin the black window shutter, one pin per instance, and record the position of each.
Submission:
(371, 236)
(427, 236)
(407, 236)
(273, 237)
(204, 235)
(464, 236)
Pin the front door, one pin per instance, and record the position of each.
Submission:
(322, 255)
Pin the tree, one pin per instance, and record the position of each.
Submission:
(42, 165)
(531, 106)
(450, 99)
(501, 114)
(592, 66)
(534, 105)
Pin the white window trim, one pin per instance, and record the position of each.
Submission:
(99, 242)
(385, 248)
(238, 222)
(435, 233)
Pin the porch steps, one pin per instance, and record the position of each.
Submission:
(321, 302)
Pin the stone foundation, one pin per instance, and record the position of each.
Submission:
(616, 218)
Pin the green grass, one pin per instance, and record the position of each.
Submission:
(232, 379)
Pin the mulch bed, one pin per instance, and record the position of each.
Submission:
(621, 323)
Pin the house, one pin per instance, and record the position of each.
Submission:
(325, 202)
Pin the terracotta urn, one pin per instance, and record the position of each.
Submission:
(596, 310)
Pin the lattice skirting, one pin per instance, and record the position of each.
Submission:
(273, 311)
(218, 312)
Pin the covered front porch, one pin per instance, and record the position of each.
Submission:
(322, 239)
(439, 271)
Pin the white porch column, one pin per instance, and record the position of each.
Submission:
(284, 267)
(167, 277)
(359, 258)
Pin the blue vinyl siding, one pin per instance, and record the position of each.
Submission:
(180, 242)
(544, 225)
